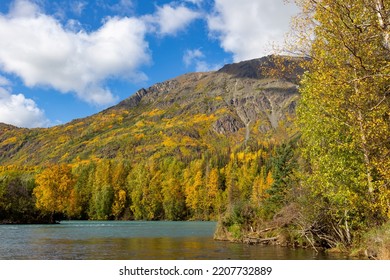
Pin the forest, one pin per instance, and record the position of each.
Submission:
(321, 179)
(164, 189)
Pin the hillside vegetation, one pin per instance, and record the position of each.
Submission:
(215, 112)
(276, 154)
(189, 148)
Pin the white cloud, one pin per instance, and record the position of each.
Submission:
(23, 8)
(196, 57)
(203, 66)
(169, 20)
(195, 2)
(78, 7)
(20, 111)
(192, 55)
(4, 82)
(249, 28)
(122, 7)
(37, 48)
(74, 25)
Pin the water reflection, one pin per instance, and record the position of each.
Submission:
(132, 241)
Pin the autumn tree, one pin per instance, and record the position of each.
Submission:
(85, 174)
(194, 187)
(212, 192)
(17, 203)
(246, 175)
(152, 196)
(54, 192)
(344, 114)
(231, 182)
(261, 184)
(172, 189)
(100, 206)
(137, 183)
(120, 200)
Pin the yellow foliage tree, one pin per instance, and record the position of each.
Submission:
(212, 190)
(344, 115)
(193, 187)
(54, 192)
(260, 187)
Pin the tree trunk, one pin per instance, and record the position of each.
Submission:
(366, 153)
(363, 141)
(384, 23)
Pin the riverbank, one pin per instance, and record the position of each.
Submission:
(28, 220)
(287, 230)
(375, 244)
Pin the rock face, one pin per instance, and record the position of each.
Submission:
(282, 67)
(134, 100)
(184, 115)
(227, 124)
(249, 91)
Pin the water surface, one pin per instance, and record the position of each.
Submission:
(120, 240)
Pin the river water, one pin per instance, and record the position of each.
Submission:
(136, 240)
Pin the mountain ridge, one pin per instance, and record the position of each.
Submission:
(187, 114)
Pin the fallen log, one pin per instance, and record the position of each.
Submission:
(256, 240)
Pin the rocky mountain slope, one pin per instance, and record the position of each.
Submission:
(240, 105)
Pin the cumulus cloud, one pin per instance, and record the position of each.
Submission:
(20, 111)
(78, 7)
(204, 66)
(169, 19)
(248, 29)
(122, 7)
(196, 58)
(195, 2)
(23, 8)
(4, 82)
(41, 51)
(192, 55)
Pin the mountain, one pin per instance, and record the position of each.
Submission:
(239, 106)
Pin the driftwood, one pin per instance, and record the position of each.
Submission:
(266, 229)
(256, 240)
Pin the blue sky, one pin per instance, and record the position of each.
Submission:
(61, 60)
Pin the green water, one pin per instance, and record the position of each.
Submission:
(120, 240)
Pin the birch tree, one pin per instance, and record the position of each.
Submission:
(344, 113)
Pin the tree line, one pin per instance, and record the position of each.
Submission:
(154, 189)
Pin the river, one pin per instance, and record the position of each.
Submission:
(133, 240)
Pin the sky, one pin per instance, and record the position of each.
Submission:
(62, 60)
